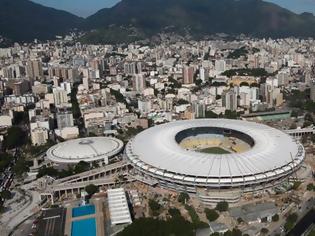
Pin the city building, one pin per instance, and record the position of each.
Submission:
(118, 207)
(39, 136)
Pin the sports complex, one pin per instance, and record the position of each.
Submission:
(215, 154)
(85, 149)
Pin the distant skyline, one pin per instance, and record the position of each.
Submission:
(86, 8)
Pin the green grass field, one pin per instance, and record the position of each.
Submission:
(214, 150)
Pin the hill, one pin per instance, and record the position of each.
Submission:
(202, 17)
(23, 20)
(129, 20)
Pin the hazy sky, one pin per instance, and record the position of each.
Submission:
(87, 7)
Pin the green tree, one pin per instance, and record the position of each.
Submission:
(154, 206)
(183, 197)
(6, 194)
(222, 206)
(215, 234)
(296, 185)
(75, 105)
(275, 218)
(310, 187)
(16, 137)
(5, 160)
(177, 226)
(290, 222)
(211, 114)
(211, 214)
(50, 171)
(174, 212)
(182, 102)
(198, 82)
(91, 189)
(244, 84)
(21, 167)
(264, 231)
(82, 166)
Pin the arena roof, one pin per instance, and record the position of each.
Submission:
(156, 150)
(85, 149)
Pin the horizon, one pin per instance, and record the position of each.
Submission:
(85, 8)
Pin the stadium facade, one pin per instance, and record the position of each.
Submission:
(257, 156)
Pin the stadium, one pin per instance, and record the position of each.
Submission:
(215, 154)
(85, 149)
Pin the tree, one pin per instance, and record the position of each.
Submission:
(91, 189)
(20, 167)
(230, 114)
(222, 206)
(81, 167)
(275, 218)
(215, 234)
(183, 197)
(243, 84)
(177, 226)
(5, 160)
(182, 102)
(6, 194)
(16, 137)
(75, 105)
(310, 187)
(240, 220)
(50, 171)
(174, 212)
(154, 206)
(210, 114)
(296, 185)
(197, 223)
(234, 232)
(290, 222)
(211, 214)
(293, 126)
(198, 82)
(264, 231)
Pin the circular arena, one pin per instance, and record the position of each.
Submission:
(215, 154)
(85, 149)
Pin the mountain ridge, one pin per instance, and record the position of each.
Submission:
(23, 20)
(254, 17)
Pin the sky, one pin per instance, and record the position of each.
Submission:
(85, 8)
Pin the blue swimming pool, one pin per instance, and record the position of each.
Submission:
(84, 227)
(83, 210)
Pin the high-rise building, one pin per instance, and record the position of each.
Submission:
(203, 74)
(34, 70)
(229, 100)
(130, 68)
(138, 82)
(64, 119)
(39, 136)
(220, 66)
(144, 106)
(60, 97)
(312, 85)
(188, 75)
(199, 109)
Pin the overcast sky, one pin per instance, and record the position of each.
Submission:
(87, 7)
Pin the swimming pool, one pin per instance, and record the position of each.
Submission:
(83, 210)
(85, 227)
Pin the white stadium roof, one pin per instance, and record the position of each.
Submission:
(155, 150)
(85, 149)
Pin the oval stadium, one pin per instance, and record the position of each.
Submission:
(214, 154)
(85, 149)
